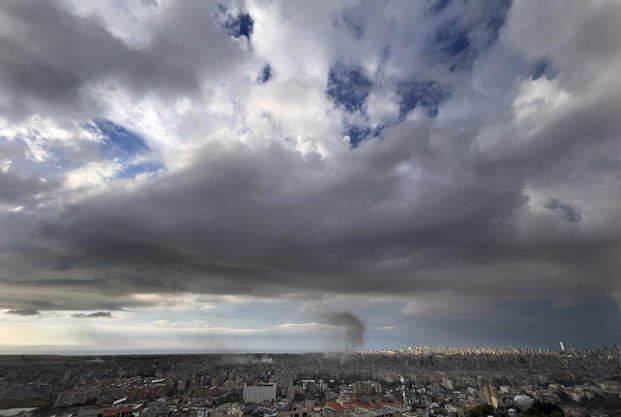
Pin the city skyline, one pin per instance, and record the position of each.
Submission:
(413, 382)
(249, 176)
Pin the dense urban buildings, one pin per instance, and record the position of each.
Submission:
(412, 382)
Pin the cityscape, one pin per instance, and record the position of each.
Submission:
(409, 382)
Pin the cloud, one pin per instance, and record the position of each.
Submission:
(23, 312)
(184, 148)
(18, 190)
(57, 81)
(95, 315)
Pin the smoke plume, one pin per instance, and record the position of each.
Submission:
(355, 327)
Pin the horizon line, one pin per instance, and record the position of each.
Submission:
(42, 351)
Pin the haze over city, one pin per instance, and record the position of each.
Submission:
(319, 176)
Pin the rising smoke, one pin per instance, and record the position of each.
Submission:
(354, 326)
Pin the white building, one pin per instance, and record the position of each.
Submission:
(17, 412)
(447, 383)
(260, 393)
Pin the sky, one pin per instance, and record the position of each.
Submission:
(197, 176)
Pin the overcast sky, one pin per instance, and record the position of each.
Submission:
(319, 175)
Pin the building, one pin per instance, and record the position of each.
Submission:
(227, 410)
(73, 397)
(488, 394)
(123, 411)
(366, 387)
(284, 385)
(283, 380)
(295, 412)
(90, 412)
(260, 393)
(17, 412)
(447, 383)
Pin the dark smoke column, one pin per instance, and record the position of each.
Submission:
(355, 327)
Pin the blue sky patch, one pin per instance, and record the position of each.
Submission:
(542, 67)
(357, 134)
(119, 141)
(436, 6)
(567, 212)
(125, 147)
(246, 25)
(428, 94)
(450, 44)
(238, 25)
(266, 74)
(131, 170)
(458, 43)
(348, 87)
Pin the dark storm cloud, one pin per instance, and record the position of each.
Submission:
(16, 190)
(316, 230)
(72, 51)
(236, 222)
(95, 315)
(23, 312)
(592, 321)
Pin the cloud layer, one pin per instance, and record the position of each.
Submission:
(454, 160)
